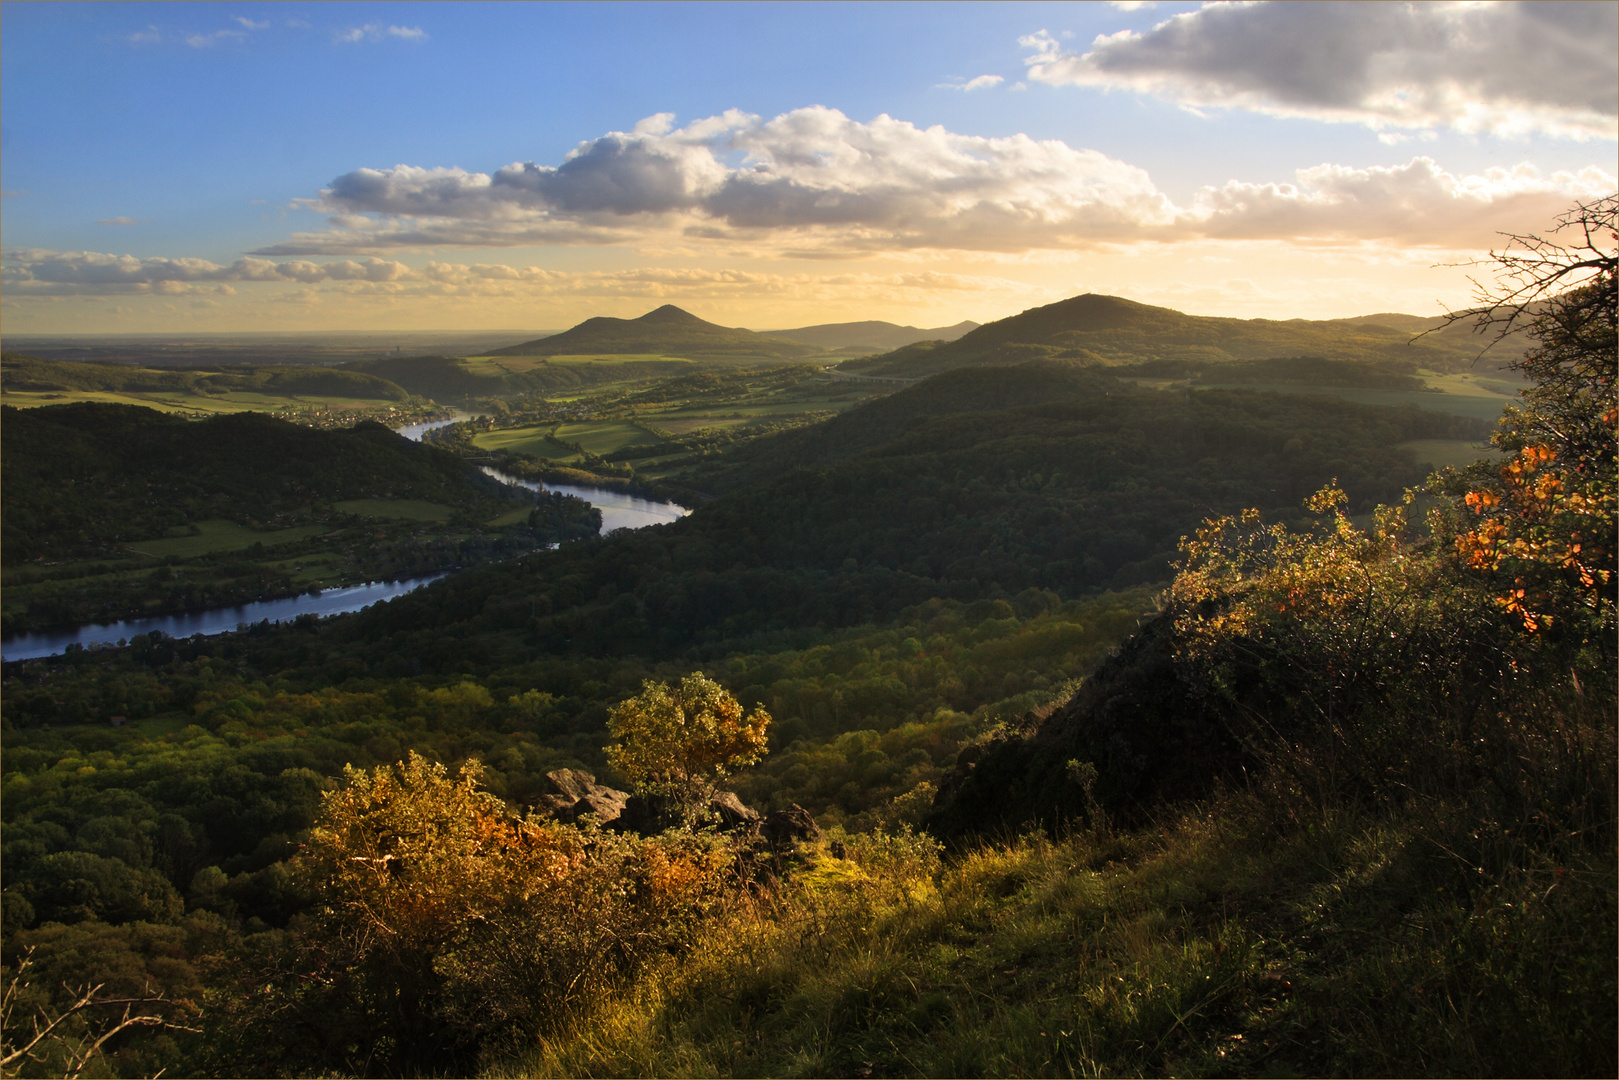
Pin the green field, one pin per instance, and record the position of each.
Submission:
(398, 509)
(530, 441)
(597, 437)
(220, 535)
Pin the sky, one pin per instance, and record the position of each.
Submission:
(203, 167)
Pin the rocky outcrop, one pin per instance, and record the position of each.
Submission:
(785, 828)
(575, 793)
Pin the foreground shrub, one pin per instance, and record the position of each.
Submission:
(443, 925)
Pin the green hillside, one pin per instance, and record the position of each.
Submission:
(1109, 330)
(667, 331)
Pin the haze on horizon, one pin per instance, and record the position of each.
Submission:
(347, 167)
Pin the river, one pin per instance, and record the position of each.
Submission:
(217, 621)
(414, 432)
(619, 511)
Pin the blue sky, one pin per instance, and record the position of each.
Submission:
(237, 166)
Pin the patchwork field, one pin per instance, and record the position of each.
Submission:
(597, 437)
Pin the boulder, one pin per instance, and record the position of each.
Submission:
(731, 811)
(787, 827)
(575, 793)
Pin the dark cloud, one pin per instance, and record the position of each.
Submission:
(1502, 67)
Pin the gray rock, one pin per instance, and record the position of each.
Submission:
(575, 792)
(732, 812)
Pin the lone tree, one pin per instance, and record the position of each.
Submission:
(1547, 516)
(679, 741)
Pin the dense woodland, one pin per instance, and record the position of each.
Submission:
(1148, 731)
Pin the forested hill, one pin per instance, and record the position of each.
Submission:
(1067, 495)
(452, 379)
(964, 390)
(1113, 331)
(79, 478)
(667, 331)
(19, 372)
(871, 336)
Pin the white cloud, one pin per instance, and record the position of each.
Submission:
(1132, 5)
(982, 82)
(249, 24)
(41, 271)
(1503, 68)
(813, 183)
(1414, 204)
(377, 32)
(120, 220)
(812, 173)
(144, 37)
(204, 41)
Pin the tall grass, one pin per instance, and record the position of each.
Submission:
(1231, 939)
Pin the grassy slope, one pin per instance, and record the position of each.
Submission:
(1220, 943)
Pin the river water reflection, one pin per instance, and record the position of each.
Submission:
(619, 511)
(217, 621)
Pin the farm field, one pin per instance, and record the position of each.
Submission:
(217, 535)
(597, 437)
(398, 509)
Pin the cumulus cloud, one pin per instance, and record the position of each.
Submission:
(1414, 204)
(378, 32)
(812, 172)
(144, 37)
(249, 24)
(1503, 68)
(813, 183)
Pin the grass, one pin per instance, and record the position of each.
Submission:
(598, 437)
(399, 509)
(1224, 942)
(217, 535)
(1440, 453)
(1465, 399)
(515, 517)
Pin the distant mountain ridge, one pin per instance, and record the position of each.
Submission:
(666, 331)
(1114, 332)
(871, 336)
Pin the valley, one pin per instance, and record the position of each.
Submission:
(1045, 635)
